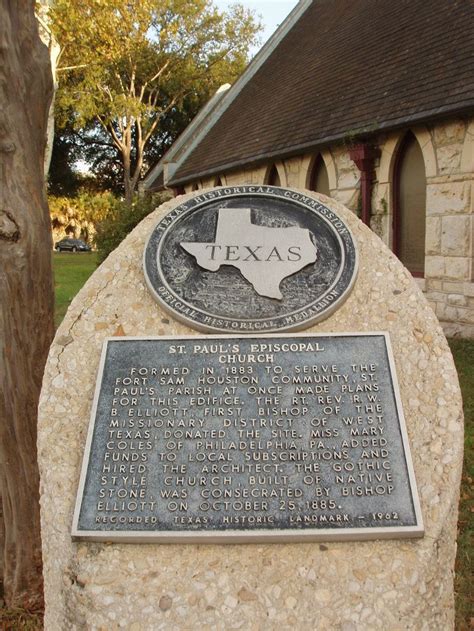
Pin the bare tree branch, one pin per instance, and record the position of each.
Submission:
(110, 130)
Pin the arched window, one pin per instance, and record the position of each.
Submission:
(218, 181)
(273, 178)
(195, 186)
(319, 179)
(409, 206)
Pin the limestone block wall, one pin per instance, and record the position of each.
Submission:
(448, 153)
(450, 227)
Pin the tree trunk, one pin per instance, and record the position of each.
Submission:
(47, 37)
(54, 51)
(127, 178)
(26, 290)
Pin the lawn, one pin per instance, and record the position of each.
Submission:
(72, 270)
(463, 352)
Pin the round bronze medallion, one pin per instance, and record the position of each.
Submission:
(250, 259)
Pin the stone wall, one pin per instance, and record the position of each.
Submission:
(400, 584)
(450, 227)
(448, 152)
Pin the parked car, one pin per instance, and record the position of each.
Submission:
(72, 245)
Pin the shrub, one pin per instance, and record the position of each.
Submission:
(117, 224)
(78, 216)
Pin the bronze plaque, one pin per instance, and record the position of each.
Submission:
(249, 259)
(247, 438)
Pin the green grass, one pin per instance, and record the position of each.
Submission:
(463, 352)
(71, 270)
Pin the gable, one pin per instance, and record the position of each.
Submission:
(345, 68)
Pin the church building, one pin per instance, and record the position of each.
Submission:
(370, 102)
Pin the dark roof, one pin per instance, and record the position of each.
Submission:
(158, 183)
(346, 66)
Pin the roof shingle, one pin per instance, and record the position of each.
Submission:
(346, 66)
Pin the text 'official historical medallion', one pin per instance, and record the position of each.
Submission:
(250, 259)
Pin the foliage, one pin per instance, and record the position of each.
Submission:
(78, 216)
(127, 70)
(70, 273)
(122, 220)
(91, 146)
(63, 179)
(18, 619)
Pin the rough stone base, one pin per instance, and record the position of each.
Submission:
(396, 585)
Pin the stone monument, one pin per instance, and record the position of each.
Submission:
(271, 390)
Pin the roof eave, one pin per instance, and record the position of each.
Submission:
(367, 132)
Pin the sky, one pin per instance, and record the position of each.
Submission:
(272, 12)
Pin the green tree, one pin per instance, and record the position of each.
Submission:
(118, 223)
(130, 66)
(78, 216)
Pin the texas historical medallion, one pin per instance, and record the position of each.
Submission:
(250, 259)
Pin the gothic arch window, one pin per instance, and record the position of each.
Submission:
(409, 205)
(273, 178)
(195, 186)
(319, 179)
(218, 181)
